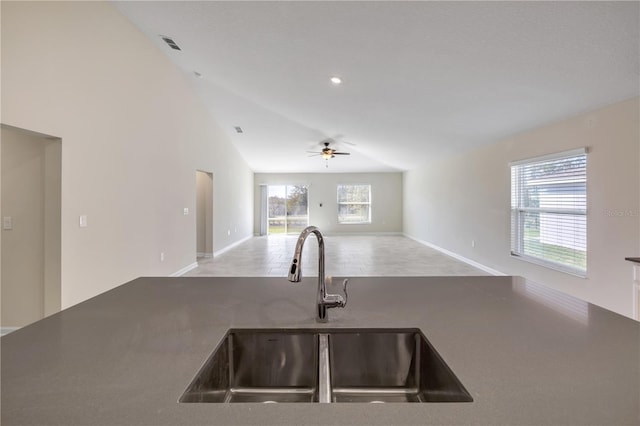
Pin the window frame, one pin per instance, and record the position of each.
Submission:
(518, 212)
(339, 203)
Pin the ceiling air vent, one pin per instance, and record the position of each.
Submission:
(172, 44)
(238, 129)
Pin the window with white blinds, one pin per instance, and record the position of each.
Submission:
(549, 211)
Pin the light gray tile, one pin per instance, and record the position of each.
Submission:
(344, 255)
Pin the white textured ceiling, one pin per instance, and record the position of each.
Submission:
(421, 80)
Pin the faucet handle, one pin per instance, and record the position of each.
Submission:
(336, 300)
(344, 289)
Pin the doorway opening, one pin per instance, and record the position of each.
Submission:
(288, 209)
(204, 214)
(31, 204)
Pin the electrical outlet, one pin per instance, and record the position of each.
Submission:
(7, 223)
(185, 211)
(228, 232)
(473, 243)
(161, 256)
(83, 221)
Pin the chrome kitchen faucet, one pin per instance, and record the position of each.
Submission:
(324, 300)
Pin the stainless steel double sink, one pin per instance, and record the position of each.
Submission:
(325, 365)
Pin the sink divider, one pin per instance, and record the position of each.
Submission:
(324, 372)
(231, 378)
(416, 366)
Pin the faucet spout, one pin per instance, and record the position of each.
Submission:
(324, 300)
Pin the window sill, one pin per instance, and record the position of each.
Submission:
(549, 265)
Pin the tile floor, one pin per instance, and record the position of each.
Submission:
(349, 256)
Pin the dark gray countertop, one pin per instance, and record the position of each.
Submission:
(526, 353)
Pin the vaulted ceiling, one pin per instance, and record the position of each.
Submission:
(420, 80)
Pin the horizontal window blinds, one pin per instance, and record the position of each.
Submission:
(549, 211)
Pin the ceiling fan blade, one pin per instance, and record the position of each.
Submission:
(339, 138)
(315, 154)
(341, 153)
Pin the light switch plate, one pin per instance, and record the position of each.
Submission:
(7, 223)
(83, 221)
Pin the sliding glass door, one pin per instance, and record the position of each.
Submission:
(288, 209)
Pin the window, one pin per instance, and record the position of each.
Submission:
(549, 211)
(354, 204)
(287, 209)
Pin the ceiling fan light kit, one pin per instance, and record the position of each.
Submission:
(327, 153)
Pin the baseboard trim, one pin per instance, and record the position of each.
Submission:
(7, 330)
(205, 255)
(184, 270)
(230, 246)
(458, 257)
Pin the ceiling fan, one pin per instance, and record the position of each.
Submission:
(327, 153)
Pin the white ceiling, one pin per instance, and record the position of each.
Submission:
(421, 80)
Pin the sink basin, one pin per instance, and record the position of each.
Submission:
(390, 366)
(259, 366)
(325, 365)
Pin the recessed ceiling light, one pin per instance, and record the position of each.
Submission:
(336, 80)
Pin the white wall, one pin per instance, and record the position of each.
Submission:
(133, 134)
(22, 247)
(31, 249)
(386, 199)
(204, 213)
(52, 226)
(465, 198)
